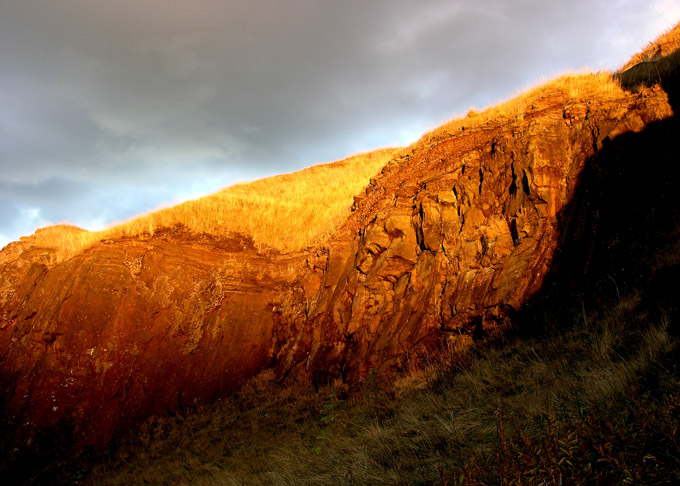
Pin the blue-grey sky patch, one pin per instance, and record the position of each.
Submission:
(110, 109)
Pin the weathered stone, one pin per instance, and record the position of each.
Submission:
(450, 239)
(485, 223)
(130, 328)
(431, 225)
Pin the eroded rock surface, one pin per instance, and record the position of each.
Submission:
(443, 244)
(134, 327)
(450, 238)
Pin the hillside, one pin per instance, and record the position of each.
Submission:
(661, 47)
(285, 213)
(505, 223)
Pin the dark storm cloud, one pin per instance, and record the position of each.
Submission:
(129, 104)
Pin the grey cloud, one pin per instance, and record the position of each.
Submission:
(146, 102)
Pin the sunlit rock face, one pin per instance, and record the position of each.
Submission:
(450, 238)
(134, 327)
(445, 242)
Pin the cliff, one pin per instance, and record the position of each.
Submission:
(452, 236)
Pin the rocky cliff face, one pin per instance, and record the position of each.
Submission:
(444, 243)
(450, 238)
(132, 327)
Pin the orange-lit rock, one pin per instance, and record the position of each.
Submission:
(133, 327)
(443, 244)
(451, 237)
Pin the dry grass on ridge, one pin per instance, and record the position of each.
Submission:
(663, 46)
(286, 212)
(600, 86)
(292, 211)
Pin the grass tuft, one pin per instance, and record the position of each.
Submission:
(664, 45)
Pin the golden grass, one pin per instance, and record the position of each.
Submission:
(601, 86)
(285, 212)
(293, 211)
(663, 46)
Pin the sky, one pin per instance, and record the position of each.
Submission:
(109, 109)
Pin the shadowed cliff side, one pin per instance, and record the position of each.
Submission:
(621, 232)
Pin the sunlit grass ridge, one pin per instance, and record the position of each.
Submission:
(663, 46)
(286, 212)
(601, 86)
(292, 211)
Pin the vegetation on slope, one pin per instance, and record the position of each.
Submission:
(600, 87)
(292, 211)
(655, 50)
(285, 212)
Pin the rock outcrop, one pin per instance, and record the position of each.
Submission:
(444, 243)
(133, 327)
(450, 238)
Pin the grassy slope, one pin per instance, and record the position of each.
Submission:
(662, 46)
(601, 86)
(285, 212)
(292, 211)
